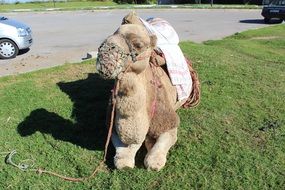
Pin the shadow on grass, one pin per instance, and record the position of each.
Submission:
(90, 100)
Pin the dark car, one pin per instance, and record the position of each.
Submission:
(274, 10)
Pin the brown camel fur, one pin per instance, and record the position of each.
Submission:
(146, 100)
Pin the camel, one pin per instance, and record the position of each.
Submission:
(146, 101)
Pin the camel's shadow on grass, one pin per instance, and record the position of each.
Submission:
(88, 130)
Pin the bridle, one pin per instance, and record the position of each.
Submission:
(122, 61)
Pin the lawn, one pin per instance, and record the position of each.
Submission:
(235, 138)
(71, 5)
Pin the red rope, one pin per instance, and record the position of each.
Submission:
(156, 84)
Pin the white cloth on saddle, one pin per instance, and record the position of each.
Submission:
(167, 42)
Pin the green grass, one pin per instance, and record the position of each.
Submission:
(93, 5)
(72, 5)
(235, 139)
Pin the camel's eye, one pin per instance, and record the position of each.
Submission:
(138, 45)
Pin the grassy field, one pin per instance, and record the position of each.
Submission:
(91, 5)
(61, 5)
(235, 139)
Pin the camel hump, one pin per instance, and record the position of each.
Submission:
(157, 58)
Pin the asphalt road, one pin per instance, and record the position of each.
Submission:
(61, 37)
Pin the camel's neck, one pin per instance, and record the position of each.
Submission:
(131, 94)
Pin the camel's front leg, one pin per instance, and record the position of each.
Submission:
(125, 154)
(156, 157)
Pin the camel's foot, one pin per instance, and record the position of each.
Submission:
(125, 154)
(155, 161)
(156, 156)
(122, 163)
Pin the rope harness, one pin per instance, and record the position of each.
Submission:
(113, 59)
(155, 81)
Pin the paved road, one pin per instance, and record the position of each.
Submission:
(61, 37)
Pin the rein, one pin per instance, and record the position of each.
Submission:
(25, 167)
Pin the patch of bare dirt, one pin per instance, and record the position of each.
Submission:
(32, 62)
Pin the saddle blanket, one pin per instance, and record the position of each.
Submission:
(167, 42)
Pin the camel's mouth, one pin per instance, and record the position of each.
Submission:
(111, 60)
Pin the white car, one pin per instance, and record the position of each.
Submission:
(14, 36)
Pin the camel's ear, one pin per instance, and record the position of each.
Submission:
(131, 18)
(153, 40)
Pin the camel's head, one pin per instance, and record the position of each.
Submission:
(127, 50)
